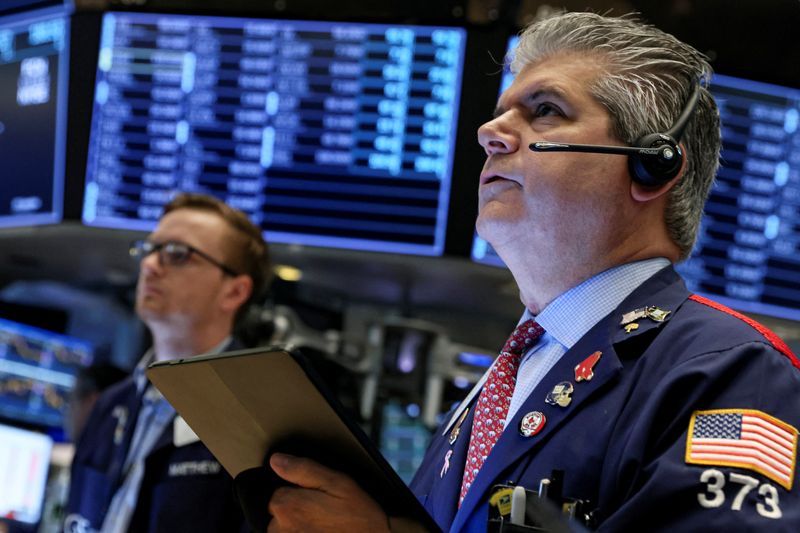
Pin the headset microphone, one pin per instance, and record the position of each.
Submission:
(653, 161)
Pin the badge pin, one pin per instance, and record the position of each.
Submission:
(654, 313)
(120, 412)
(561, 394)
(531, 424)
(631, 327)
(457, 428)
(632, 316)
(585, 369)
(446, 465)
(454, 435)
(657, 314)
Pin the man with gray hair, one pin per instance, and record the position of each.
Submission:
(664, 410)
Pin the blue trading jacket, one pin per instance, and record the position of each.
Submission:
(624, 441)
(183, 489)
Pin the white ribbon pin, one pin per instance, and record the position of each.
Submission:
(446, 465)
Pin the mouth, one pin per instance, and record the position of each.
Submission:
(148, 289)
(487, 178)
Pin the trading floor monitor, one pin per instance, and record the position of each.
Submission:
(34, 55)
(334, 134)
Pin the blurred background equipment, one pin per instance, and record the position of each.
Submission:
(37, 373)
(24, 463)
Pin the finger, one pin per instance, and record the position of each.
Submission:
(305, 472)
(287, 502)
(274, 526)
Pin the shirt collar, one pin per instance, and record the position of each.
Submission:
(572, 314)
(149, 356)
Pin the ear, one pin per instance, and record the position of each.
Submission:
(236, 292)
(640, 193)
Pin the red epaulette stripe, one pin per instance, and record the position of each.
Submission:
(768, 334)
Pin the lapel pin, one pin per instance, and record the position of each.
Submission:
(654, 313)
(120, 412)
(560, 395)
(446, 465)
(585, 369)
(531, 424)
(457, 428)
(632, 316)
(631, 327)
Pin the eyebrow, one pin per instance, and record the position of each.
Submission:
(530, 98)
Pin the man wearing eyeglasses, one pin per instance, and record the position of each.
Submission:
(137, 466)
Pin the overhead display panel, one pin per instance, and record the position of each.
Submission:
(748, 253)
(34, 55)
(326, 134)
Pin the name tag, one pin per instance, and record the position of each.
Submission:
(194, 468)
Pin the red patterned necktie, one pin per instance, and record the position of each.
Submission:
(494, 399)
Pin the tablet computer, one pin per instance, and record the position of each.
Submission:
(247, 404)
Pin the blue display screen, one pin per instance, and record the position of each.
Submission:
(37, 372)
(33, 100)
(482, 252)
(326, 134)
(748, 252)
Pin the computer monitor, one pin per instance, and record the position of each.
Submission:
(37, 371)
(24, 463)
(748, 252)
(326, 133)
(34, 54)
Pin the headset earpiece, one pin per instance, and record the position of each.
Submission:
(653, 161)
(656, 169)
(659, 167)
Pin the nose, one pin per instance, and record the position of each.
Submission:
(498, 137)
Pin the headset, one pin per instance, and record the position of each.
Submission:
(653, 160)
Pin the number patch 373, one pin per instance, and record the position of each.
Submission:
(739, 486)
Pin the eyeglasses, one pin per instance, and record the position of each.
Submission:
(174, 253)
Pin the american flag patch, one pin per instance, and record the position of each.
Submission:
(743, 438)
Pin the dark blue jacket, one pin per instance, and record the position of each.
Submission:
(622, 441)
(183, 489)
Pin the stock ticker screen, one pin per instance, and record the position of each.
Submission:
(37, 372)
(748, 253)
(325, 133)
(33, 99)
